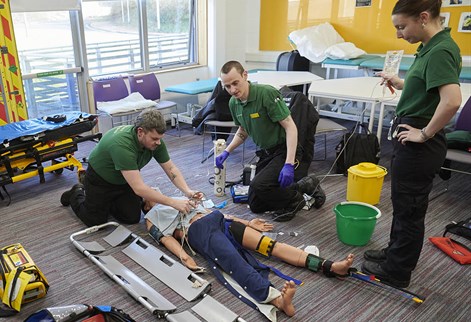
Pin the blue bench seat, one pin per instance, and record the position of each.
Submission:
(465, 73)
(336, 64)
(349, 62)
(199, 87)
(194, 88)
(378, 63)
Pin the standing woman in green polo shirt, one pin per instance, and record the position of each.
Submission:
(431, 96)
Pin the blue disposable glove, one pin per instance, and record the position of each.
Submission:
(221, 158)
(286, 176)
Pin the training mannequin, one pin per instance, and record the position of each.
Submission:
(224, 240)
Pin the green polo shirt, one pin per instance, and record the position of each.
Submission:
(437, 63)
(260, 114)
(119, 149)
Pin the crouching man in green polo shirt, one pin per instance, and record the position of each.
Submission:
(113, 183)
(261, 113)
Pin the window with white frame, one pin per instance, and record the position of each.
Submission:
(112, 36)
(126, 35)
(171, 31)
(121, 36)
(45, 48)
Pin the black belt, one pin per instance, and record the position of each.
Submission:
(271, 150)
(418, 122)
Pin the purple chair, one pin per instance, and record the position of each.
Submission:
(149, 87)
(113, 89)
(463, 123)
(107, 90)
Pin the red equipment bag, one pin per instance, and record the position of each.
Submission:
(453, 248)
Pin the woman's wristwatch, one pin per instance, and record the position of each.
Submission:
(424, 135)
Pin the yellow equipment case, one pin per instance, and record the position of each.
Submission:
(21, 281)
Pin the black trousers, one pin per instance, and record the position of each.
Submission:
(413, 168)
(102, 200)
(265, 193)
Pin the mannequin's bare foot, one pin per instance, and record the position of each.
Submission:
(285, 301)
(341, 268)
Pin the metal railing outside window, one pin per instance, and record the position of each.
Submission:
(52, 92)
(56, 91)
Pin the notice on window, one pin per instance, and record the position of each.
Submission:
(363, 3)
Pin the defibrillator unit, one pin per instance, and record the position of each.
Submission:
(21, 281)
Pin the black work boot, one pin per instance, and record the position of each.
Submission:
(65, 198)
(319, 197)
(307, 185)
(375, 255)
(310, 185)
(290, 211)
(372, 268)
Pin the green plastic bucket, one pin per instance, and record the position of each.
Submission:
(356, 222)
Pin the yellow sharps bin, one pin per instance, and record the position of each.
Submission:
(365, 181)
